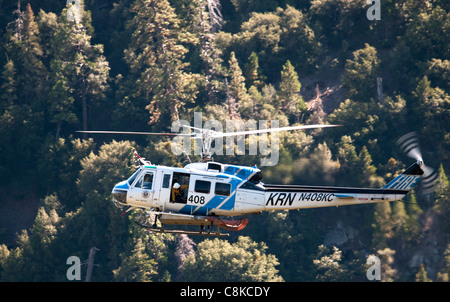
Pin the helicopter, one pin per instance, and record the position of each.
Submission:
(211, 194)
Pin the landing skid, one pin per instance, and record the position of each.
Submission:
(171, 231)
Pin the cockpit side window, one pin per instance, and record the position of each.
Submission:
(145, 182)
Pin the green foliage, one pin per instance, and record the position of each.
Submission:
(361, 72)
(242, 261)
(161, 79)
(329, 265)
(289, 99)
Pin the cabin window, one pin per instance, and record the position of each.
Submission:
(215, 167)
(202, 186)
(166, 181)
(222, 189)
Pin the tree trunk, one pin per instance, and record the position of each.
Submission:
(84, 106)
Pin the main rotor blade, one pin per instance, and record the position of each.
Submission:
(137, 133)
(214, 133)
(195, 128)
(220, 134)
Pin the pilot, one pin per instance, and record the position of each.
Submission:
(177, 192)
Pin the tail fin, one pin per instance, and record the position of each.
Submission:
(408, 179)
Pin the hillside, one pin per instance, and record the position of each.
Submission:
(141, 65)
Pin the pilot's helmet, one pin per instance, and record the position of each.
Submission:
(176, 185)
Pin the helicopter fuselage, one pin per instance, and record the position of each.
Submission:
(214, 189)
(206, 189)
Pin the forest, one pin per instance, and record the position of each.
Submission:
(140, 65)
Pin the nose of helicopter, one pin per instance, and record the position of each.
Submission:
(119, 193)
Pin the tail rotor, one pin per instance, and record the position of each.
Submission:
(409, 144)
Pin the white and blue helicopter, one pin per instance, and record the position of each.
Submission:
(209, 193)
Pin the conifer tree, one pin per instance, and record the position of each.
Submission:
(24, 49)
(137, 266)
(79, 70)
(442, 196)
(382, 226)
(156, 58)
(253, 74)
(361, 72)
(22, 107)
(208, 22)
(236, 88)
(290, 100)
(348, 159)
(413, 212)
(421, 275)
(9, 88)
(444, 273)
(329, 266)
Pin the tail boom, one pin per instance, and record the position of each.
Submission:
(298, 197)
(290, 197)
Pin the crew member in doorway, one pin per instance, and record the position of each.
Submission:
(178, 192)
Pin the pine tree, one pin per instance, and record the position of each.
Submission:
(209, 20)
(137, 266)
(329, 266)
(290, 100)
(9, 88)
(431, 106)
(156, 59)
(253, 74)
(349, 161)
(421, 275)
(25, 50)
(442, 195)
(367, 169)
(61, 102)
(236, 88)
(413, 211)
(361, 72)
(444, 274)
(382, 226)
(22, 107)
(388, 273)
(79, 71)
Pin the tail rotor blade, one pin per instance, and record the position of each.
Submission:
(430, 178)
(409, 144)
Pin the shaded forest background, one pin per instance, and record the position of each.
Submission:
(140, 65)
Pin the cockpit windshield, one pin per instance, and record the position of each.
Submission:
(133, 177)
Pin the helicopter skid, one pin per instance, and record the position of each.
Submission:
(187, 232)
